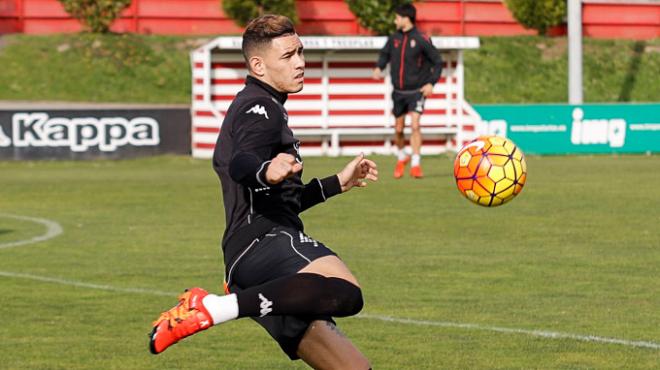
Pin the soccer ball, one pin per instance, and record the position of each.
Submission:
(490, 170)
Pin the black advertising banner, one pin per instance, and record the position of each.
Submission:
(93, 133)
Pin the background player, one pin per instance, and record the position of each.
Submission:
(415, 66)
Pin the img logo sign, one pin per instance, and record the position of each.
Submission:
(79, 134)
(597, 131)
(497, 127)
(571, 129)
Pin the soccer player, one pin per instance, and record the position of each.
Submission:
(415, 66)
(275, 273)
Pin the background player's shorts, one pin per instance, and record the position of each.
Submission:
(283, 251)
(407, 101)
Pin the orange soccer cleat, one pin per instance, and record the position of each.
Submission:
(186, 318)
(400, 168)
(416, 172)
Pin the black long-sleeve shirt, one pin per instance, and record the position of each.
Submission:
(413, 59)
(254, 131)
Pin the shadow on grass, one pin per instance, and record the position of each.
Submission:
(5, 231)
(633, 70)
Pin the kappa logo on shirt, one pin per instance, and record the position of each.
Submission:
(258, 109)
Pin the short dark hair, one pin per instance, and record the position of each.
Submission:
(262, 30)
(407, 10)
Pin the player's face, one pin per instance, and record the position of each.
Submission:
(284, 64)
(398, 21)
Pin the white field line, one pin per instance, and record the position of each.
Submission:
(81, 284)
(428, 323)
(54, 229)
(533, 333)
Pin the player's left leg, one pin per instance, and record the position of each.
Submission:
(416, 143)
(325, 347)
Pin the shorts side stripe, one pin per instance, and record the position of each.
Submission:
(238, 259)
(294, 248)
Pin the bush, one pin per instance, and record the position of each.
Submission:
(96, 15)
(242, 11)
(538, 14)
(376, 15)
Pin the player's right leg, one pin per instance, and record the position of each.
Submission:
(399, 109)
(399, 142)
(268, 273)
(188, 317)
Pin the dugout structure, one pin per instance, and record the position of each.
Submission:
(341, 109)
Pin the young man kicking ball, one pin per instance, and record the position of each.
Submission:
(276, 274)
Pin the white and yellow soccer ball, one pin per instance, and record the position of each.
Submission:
(490, 170)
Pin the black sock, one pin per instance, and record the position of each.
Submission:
(301, 294)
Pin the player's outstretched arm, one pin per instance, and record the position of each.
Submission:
(356, 171)
(319, 190)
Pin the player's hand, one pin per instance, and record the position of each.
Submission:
(377, 74)
(356, 171)
(282, 166)
(427, 90)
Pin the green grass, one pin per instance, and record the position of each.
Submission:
(535, 70)
(96, 68)
(577, 252)
(156, 69)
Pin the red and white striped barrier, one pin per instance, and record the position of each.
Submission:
(341, 109)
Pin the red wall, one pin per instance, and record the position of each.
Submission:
(635, 19)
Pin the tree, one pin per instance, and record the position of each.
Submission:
(242, 11)
(96, 15)
(538, 14)
(376, 15)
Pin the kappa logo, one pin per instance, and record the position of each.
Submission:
(38, 129)
(258, 109)
(265, 305)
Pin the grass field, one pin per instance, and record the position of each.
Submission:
(447, 284)
(156, 69)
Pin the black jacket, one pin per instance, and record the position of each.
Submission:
(254, 131)
(414, 61)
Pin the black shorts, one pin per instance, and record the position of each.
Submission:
(283, 251)
(407, 101)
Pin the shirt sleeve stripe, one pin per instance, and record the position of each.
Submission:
(263, 165)
(322, 192)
